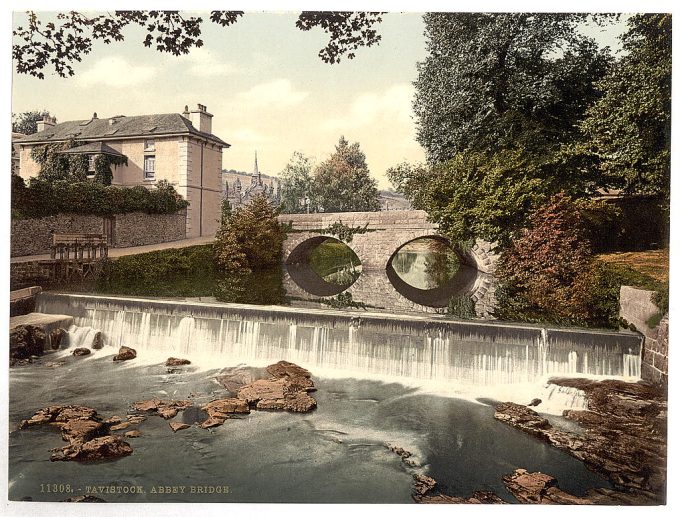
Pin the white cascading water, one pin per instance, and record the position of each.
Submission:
(223, 339)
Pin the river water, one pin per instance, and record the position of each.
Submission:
(336, 453)
(425, 386)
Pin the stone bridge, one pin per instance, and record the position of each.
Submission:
(380, 236)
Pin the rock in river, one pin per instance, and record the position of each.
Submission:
(285, 390)
(97, 449)
(174, 361)
(81, 351)
(125, 354)
(26, 341)
(165, 408)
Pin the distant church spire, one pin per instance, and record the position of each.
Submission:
(257, 178)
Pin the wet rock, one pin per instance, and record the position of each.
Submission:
(285, 390)
(174, 361)
(97, 341)
(284, 369)
(178, 426)
(105, 447)
(79, 431)
(26, 341)
(219, 410)
(136, 419)
(232, 379)
(133, 434)
(624, 434)
(83, 499)
(81, 351)
(535, 402)
(121, 426)
(113, 420)
(425, 492)
(125, 354)
(165, 408)
(59, 414)
(56, 337)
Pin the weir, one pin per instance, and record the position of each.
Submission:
(357, 344)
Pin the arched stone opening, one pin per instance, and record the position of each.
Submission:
(432, 280)
(323, 266)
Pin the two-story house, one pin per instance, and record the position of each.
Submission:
(177, 147)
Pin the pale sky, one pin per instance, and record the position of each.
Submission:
(265, 85)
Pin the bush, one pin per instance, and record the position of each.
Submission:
(250, 239)
(43, 198)
(462, 307)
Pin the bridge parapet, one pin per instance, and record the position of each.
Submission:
(394, 219)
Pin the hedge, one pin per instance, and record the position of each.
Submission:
(42, 198)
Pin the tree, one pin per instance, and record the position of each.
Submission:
(474, 195)
(250, 239)
(61, 43)
(27, 122)
(343, 183)
(296, 185)
(547, 271)
(493, 80)
(627, 131)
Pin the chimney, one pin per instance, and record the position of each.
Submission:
(46, 122)
(201, 119)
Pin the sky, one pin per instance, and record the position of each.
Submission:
(265, 85)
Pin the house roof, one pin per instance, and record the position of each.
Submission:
(120, 127)
(93, 148)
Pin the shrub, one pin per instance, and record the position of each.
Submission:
(251, 238)
(461, 307)
(43, 198)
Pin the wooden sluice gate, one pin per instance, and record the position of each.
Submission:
(76, 255)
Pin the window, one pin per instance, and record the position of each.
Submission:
(90, 166)
(149, 145)
(149, 167)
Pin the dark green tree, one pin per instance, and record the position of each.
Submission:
(27, 122)
(496, 80)
(627, 131)
(343, 183)
(296, 185)
(250, 239)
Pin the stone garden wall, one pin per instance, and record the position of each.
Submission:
(34, 236)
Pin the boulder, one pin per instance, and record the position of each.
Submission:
(174, 361)
(125, 354)
(219, 410)
(133, 434)
(105, 447)
(285, 390)
(284, 369)
(165, 408)
(81, 351)
(97, 341)
(81, 431)
(178, 426)
(26, 341)
(120, 426)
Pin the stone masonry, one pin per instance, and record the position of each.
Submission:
(385, 233)
(34, 236)
(636, 307)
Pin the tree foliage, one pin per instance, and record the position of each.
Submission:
(250, 239)
(42, 197)
(58, 44)
(494, 80)
(343, 183)
(627, 131)
(56, 165)
(296, 186)
(27, 122)
(549, 272)
(474, 195)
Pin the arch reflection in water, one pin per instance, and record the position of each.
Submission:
(323, 266)
(430, 272)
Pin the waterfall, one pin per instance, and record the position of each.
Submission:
(555, 399)
(462, 353)
(81, 337)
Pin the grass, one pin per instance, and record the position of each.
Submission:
(651, 263)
